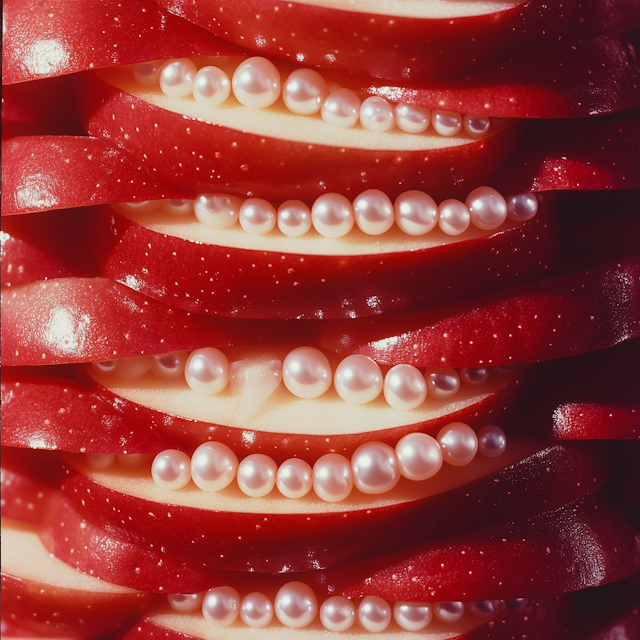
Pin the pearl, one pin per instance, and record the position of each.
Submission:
(170, 365)
(171, 469)
(148, 73)
(256, 83)
(100, 461)
(448, 611)
(474, 377)
(211, 86)
(133, 460)
(358, 379)
(446, 123)
(257, 216)
(177, 207)
(412, 119)
(459, 443)
(133, 368)
(185, 602)
(106, 366)
(373, 212)
(332, 477)
(296, 605)
(419, 456)
(256, 378)
(304, 92)
(332, 215)
(376, 114)
(176, 78)
(256, 610)
(476, 126)
(375, 468)
(492, 441)
(522, 207)
(442, 383)
(216, 210)
(374, 614)
(404, 387)
(257, 475)
(341, 108)
(221, 606)
(416, 212)
(207, 371)
(412, 616)
(141, 206)
(454, 217)
(294, 218)
(484, 608)
(306, 372)
(337, 614)
(213, 466)
(487, 208)
(294, 478)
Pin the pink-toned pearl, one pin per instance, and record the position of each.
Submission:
(419, 456)
(213, 466)
(332, 477)
(446, 123)
(404, 387)
(257, 475)
(374, 614)
(375, 468)
(459, 443)
(221, 606)
(171, 469)
(185, 602)
(412, 616)
(492, 441)
(416, 213)
(476, 126)
(216, 210)
(373, 212)
(442, 383)
(296, 605)
(304, 92)
(211, 86)
(140, 206)
(454, 217)
(487, 208)
(448, 611)
(484, 608)
(522, 207)
(294, 218)
(332, 215)
(179, 207)
(257, 216)
(474, 376)
(169, 366)
(207, 371)
(412, 119)
(341, 108)
(306, 372)
(358, 379)
(294, 478)
(148, 73)
(256, 83)
(256, 610)
(133, 368)
(376, 115)
(337, 613)
(176, 77)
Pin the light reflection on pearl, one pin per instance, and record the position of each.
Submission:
(376, 114)
(207, 371)
(446, 123)
(257, 216)
(448, 611)
(487, 208)
(221, 606)
(171, 469)
(412, 616)
(100, 461)
(176, 77)
(416, 213)
(256, 83)
(294, 218)
(374, 614)
(294, 478)
(306, 372)
(474, 376)
(419, 456)
(213, 466)
(522, 207)
(484, 608)
(358, 379)
(256, 610)
(217, 210)
(337, 613)
(169, 366)
(304, 92)
(332, 215)
(476, 126)
(454, 217)
(332, 477)
(459, 443)
(375, 468)
(176, 207)
(404, 387)
(148, 73)
(257, 475)
(185, 602)
(442, 383)
(211, 86)
(373, 212)
(341, 108)
(492, 441)
(296, 605)
(412, 119)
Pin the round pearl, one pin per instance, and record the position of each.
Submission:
(337, 614)
(448, 611)
(134, 460)
(459, 443)
(148, 73)
(522, 207)
(257, 475)
(171, 469)
(176, 78)
(474, 376)
(376, 114)
(442, 383)
(216, 210)
(446, 123)
(375, 468)
(358, 379)
(491, 441)
(484, 608)
(257, 216)
(416, 213)
(211, 86)
(476, 126)
(374, 614)
(256, 83)
(373, 212)
(332, 215)
(296, 605)
(412, 616)
(106, 366)
(185, 602)
(256, 610)
(221, 606)
(100, 461)
(294, 478)
(454, 217)
(304, 92)
(412, 119)
(332, 477)
(213, 466)
(294, 218)
(404, 387)
(341, 108)
(306, 372)
(178, 207)
(207, 371)
(419, 456)
(170, 365)
(487, 208)
(133, 368)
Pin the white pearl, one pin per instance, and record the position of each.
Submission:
(256, 610)
(442, 383)
(100, 461)
(296, 605)
(412, 616)
(419, 456)
(453, 217)
(304, 92)
(492, 441)
(332, 215)
(484, 608)
(216, 210)
(185, 602)
(294, 218)
(375, 468)
(148, 73)
(177, 207)
(171, 469)
(170, 365)
(133, 368)
(522, 207)
(412, 119)
(213, 466)
(256, 83)
(176, 77)
(332, 477)
(257, 475)
(476, 126)
(373, 212)
(374, 614)
(337, 614)
(141, 206)
(257, 216)
(211, 86)
(376, 114)
(416, 213)
(404, 387)
(294, 478)
(487, 208)
(459, 443)
(341, 108)
(106, 366)
(358, 379)
(134, 460)
(448, 611)
(221, 606)
(474, 376)
(207, 371)
(446, 123)
(306, 372)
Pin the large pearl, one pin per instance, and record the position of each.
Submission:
(341, 108)
(304, 92)
(332, 477)
(171, 469)
(419, 456)
(169, 366)
(211, 86)
(179, 208)
(216, 210)
(294, 218)
(412, 616)
(416, 212)
(374, 614)
(522, 207)
(459, 443)
(448, 611)
(474, 376)
(306, 372)
(185, 602)
(487, 208)
(221, 606)
(213, 466)
(446, 123)
(358, 379)
(296, 605)
(337, 614)
(484, 608)
(207, 371)
(412, 119)
(476, 126)
(176, 78)
(492, 441)
(257, 216)
(376, 114)
(332, 215)
(453, 217)
(375, 468)
(257, 475)
(256, 83)
(442, 383)
(373, 212)
(100, 461)
(256, 610)
(404, 387)
(148, 73)
(294, 478)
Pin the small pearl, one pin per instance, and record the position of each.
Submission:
(373, 212)
(332, 215)
(446, 123)
(459, 443)
(185, 602)
(176, 207)
(412, 119)
(448, 611)
(376, 114)
(474, 377)
(148, 73)
(221, 606)
(375, 468)
(100, 461)
(454, 217)
(306, 372)
(133, 368)
(169, 366)
(476, 126)
(294, 218)
(134, 460)
(256, 83)
(304, 92)
(341, 108)
(487, 208)
(296, 605)
(337, 614)
(257, 475)
(522, 207)
(211, 86)
(213, 466)
(442, 383)
(412, 616)
(484, 608)
(294, 478)
(141, 206)
(419, 456)
(332, 477)
(491, 441)
(207, 371)
(171, 469)
(106, 366)
(416, 213)
(358, 379)
(216, 210)
(404, 387)
(256, 610)
(257, 216)
(374, 614)
(176, 77)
